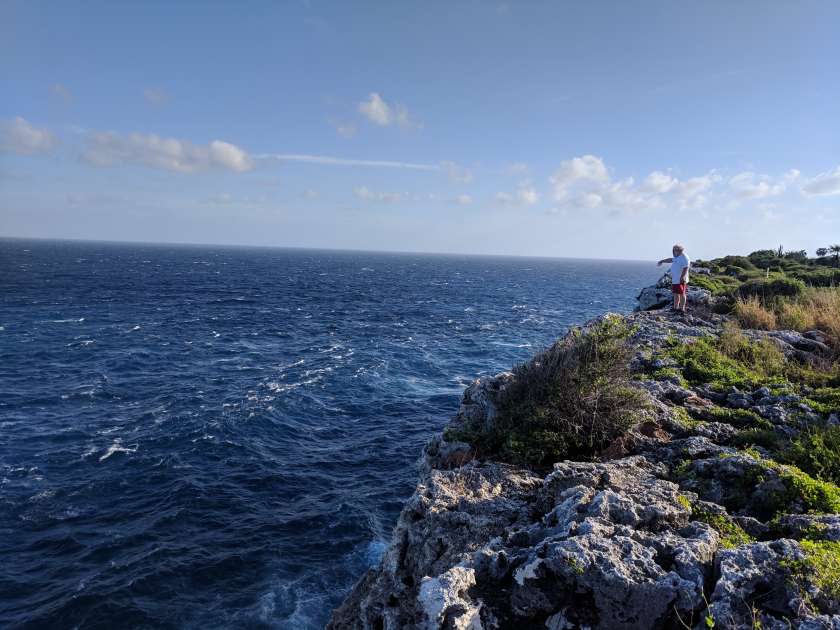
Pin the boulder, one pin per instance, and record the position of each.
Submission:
(659, 295)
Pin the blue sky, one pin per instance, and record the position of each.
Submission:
(602, 129)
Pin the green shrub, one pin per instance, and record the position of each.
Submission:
(731, 534)
(741, 418)
(825, 400)
(738, 262)
(766, 438)
(569, 402)
(764, 258)
(766, 290)
(716, 285)
(817, 452)
(821, 277)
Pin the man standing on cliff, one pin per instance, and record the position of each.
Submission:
(679, 276)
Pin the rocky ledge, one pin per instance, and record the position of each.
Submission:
(672, 526)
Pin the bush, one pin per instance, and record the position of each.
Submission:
(819, 277)
(817, 452)
(766, 290)
(767, 438)
(751, 314)
(568, 402)
(795, 316)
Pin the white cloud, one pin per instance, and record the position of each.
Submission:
(463, 200)
(155, 96)
(457, 174)
(61, 92)
(111, 149)
(827, 183)
(381, 113)
(337, 161)
(363, 192)
(19, 136)
(587, 168)
(527, 196)
(792, 175)
(748, 185)
(659, 182)
(691, 193)
(585, 182)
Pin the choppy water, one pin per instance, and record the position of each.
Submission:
(196, 437)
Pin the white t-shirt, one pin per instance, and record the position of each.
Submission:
(679, 263)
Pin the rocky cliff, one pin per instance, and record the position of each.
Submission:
(675, 525)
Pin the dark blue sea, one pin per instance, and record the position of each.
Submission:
(213, 437)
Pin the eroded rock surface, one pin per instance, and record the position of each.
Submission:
(671, 529)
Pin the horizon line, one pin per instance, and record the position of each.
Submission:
(306, 248)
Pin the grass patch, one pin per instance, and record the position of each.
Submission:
(817, 452)
(751, 314)
(731, 534)
(766, 438)
(821, 566)
(730, 359)
(569, 402)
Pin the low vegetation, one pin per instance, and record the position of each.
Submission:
(569, 402)
(820, 567)
(774, 289)
(731, 534)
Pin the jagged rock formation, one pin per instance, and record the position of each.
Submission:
(660, 295)
(670, 529)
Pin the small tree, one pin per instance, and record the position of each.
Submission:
(822, 252)
(835, 249)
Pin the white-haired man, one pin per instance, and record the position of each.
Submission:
(679, 276)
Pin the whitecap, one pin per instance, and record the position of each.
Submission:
(117, 447)
(135, 328)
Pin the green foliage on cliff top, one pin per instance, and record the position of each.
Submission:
(820, 566)
(817, 452)
(569, 402)
(731, 534)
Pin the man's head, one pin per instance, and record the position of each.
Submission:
(677, 249)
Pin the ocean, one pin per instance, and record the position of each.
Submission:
(215, 437)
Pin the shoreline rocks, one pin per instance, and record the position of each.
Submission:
(670, 528)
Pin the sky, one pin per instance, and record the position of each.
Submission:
(570, 129)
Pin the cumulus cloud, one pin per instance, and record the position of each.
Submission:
(155, 96)
(112, 149)
(585, 182)
(463, 200)
(384, 114)
(748, 185)
(364, 193)
(19, 136)
(660, 182)
(827, 183)
(587, 168)
(525, 196)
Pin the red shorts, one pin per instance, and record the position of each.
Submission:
(679, 289)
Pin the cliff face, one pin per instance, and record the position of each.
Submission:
(671, 527)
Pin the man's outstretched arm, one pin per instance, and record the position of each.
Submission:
(665, 260)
